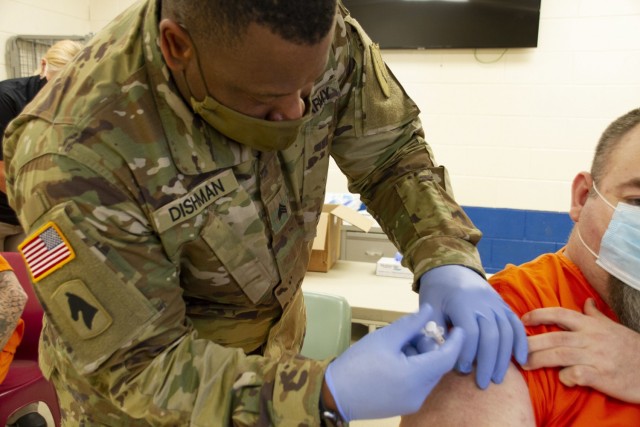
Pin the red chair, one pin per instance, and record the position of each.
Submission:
(24, 385)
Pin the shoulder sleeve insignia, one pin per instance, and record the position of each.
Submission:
(45, 251)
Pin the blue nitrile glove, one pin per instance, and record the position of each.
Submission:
(374, 378)
(461, 297)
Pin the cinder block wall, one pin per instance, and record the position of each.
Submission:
(514, 236)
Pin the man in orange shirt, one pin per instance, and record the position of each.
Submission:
(581, 308)
(12, 302)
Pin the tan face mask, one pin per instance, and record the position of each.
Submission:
(261, 135)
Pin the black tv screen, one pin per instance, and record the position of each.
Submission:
(431, 24)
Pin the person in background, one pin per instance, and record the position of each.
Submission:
(12, 301)
(581, 307)
(171, 189)
(15, 94)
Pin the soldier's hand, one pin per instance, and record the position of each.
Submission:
(375, 378)
(461, 297)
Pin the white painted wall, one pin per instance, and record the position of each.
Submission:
(102, 12)
(513, 133)
(35, 17)
(512, 129)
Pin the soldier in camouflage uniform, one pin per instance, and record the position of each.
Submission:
(169, 233)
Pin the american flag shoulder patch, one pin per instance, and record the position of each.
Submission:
(45, 251)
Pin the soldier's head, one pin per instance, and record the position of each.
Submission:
(226, 22)
(606, 208)
(257, 57)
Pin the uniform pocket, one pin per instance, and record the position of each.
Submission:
(251, 275)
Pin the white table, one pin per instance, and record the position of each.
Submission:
(374, 300)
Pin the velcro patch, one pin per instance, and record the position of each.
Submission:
(380, 69)
(45, 251)
(85, 314)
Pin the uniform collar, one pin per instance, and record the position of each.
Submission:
(195, 146)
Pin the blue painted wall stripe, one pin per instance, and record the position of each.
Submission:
(515, 236)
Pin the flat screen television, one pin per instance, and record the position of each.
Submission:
(433, 24)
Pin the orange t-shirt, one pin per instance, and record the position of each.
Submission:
(552, 280)
(9, 350)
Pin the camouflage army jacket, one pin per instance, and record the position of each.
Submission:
(169, 259)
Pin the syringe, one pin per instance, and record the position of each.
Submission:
(434, 331)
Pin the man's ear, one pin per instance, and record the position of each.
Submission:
(580, 190)
(175, 44)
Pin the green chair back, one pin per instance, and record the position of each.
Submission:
(328, 326)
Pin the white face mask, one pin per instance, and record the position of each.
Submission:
(620, 245)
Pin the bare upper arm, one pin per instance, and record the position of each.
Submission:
(457, 401)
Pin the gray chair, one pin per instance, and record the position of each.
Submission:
(328, 325)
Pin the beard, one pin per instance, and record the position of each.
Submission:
(625, 302)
